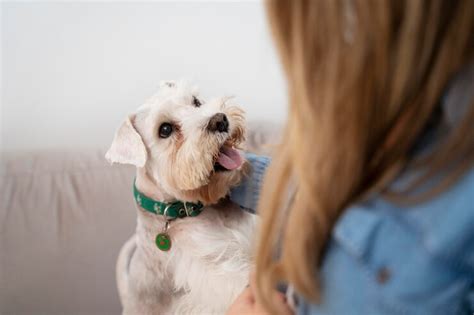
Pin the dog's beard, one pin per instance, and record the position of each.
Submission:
(205, 170)
(217, 188)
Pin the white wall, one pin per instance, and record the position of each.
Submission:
(71, 71)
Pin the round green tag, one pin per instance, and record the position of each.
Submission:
(163, 241)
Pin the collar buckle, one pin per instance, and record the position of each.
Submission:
(188, 212)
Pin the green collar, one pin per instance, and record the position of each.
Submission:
(177, 209)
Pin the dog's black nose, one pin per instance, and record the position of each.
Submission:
(218, 123)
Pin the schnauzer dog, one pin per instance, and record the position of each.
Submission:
(191, 253)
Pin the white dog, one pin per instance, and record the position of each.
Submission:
(191, 252)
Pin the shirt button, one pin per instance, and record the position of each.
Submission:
(383, 275)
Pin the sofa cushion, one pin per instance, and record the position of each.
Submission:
(63, 218)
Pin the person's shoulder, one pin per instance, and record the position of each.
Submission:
(423, 250)
(442, 227)
(445, 223)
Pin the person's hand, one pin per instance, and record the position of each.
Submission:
(248, 304)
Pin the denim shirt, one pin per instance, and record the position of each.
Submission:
(383, 258)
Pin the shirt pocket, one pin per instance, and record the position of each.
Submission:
(404, 277)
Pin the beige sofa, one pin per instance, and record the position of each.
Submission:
(63, 219)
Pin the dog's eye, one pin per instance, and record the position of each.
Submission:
(196, 102)
(165, 130)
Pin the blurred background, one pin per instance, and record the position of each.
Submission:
(70, 72)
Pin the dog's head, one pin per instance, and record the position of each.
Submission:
(186, 144)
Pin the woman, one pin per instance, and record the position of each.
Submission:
(368, 207)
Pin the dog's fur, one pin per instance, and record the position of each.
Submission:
(209, 261)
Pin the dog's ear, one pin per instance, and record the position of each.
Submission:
(127, 146)
(168, 84)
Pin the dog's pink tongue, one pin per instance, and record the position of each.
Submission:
(229, 158)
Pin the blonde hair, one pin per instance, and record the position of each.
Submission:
(364, 77)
